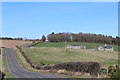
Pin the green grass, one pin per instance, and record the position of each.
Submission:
(54, 55)
(62, 44)
(8, 75)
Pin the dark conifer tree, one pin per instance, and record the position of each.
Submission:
(43, 38)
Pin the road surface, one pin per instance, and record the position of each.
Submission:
(16, 69)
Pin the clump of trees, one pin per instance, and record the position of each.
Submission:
(83, 37)
(43, 38)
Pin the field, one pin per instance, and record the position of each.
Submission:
(53, 53)
(12, 43)
(88, 45)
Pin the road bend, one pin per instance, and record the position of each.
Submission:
(19, 72)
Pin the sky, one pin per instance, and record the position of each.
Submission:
(34, 19)
(60, 0)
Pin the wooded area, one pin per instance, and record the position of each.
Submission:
(83, 37)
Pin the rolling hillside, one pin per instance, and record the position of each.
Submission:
(53, 53)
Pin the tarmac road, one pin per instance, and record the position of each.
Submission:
(16, 69)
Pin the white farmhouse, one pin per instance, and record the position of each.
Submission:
(105, 48)
(75, 47)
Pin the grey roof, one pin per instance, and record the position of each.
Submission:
(107, 47)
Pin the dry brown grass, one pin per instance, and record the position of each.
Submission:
(12, 43)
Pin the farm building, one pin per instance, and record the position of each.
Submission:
(76, 47)
(105, 48)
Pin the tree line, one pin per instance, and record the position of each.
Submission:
(83, 37)
(9, 38)
(19, 38)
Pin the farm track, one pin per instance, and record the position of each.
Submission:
(16, 69)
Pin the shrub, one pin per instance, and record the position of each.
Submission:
(114, 71)
(38, 67)
(89, 67)
(116, 74)
(103, 71)
(47, 67)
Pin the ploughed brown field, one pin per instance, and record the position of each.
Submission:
(12, 43)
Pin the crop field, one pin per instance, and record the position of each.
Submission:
(12, 43)
(88, 45)
(53, 53)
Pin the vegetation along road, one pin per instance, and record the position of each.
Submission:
(16, 69)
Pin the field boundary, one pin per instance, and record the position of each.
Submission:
(30, 44)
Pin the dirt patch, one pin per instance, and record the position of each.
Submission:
(12, 43)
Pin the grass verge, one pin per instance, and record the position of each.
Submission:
(22, 60)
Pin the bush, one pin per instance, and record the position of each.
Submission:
(89, 67)
(114, 71)
(38, 67)
(116, 74)
(47, 67)
(103, 71)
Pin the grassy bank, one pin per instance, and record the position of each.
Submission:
(22, 60)
(5, 66)
(54, 55)
(62, 44)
